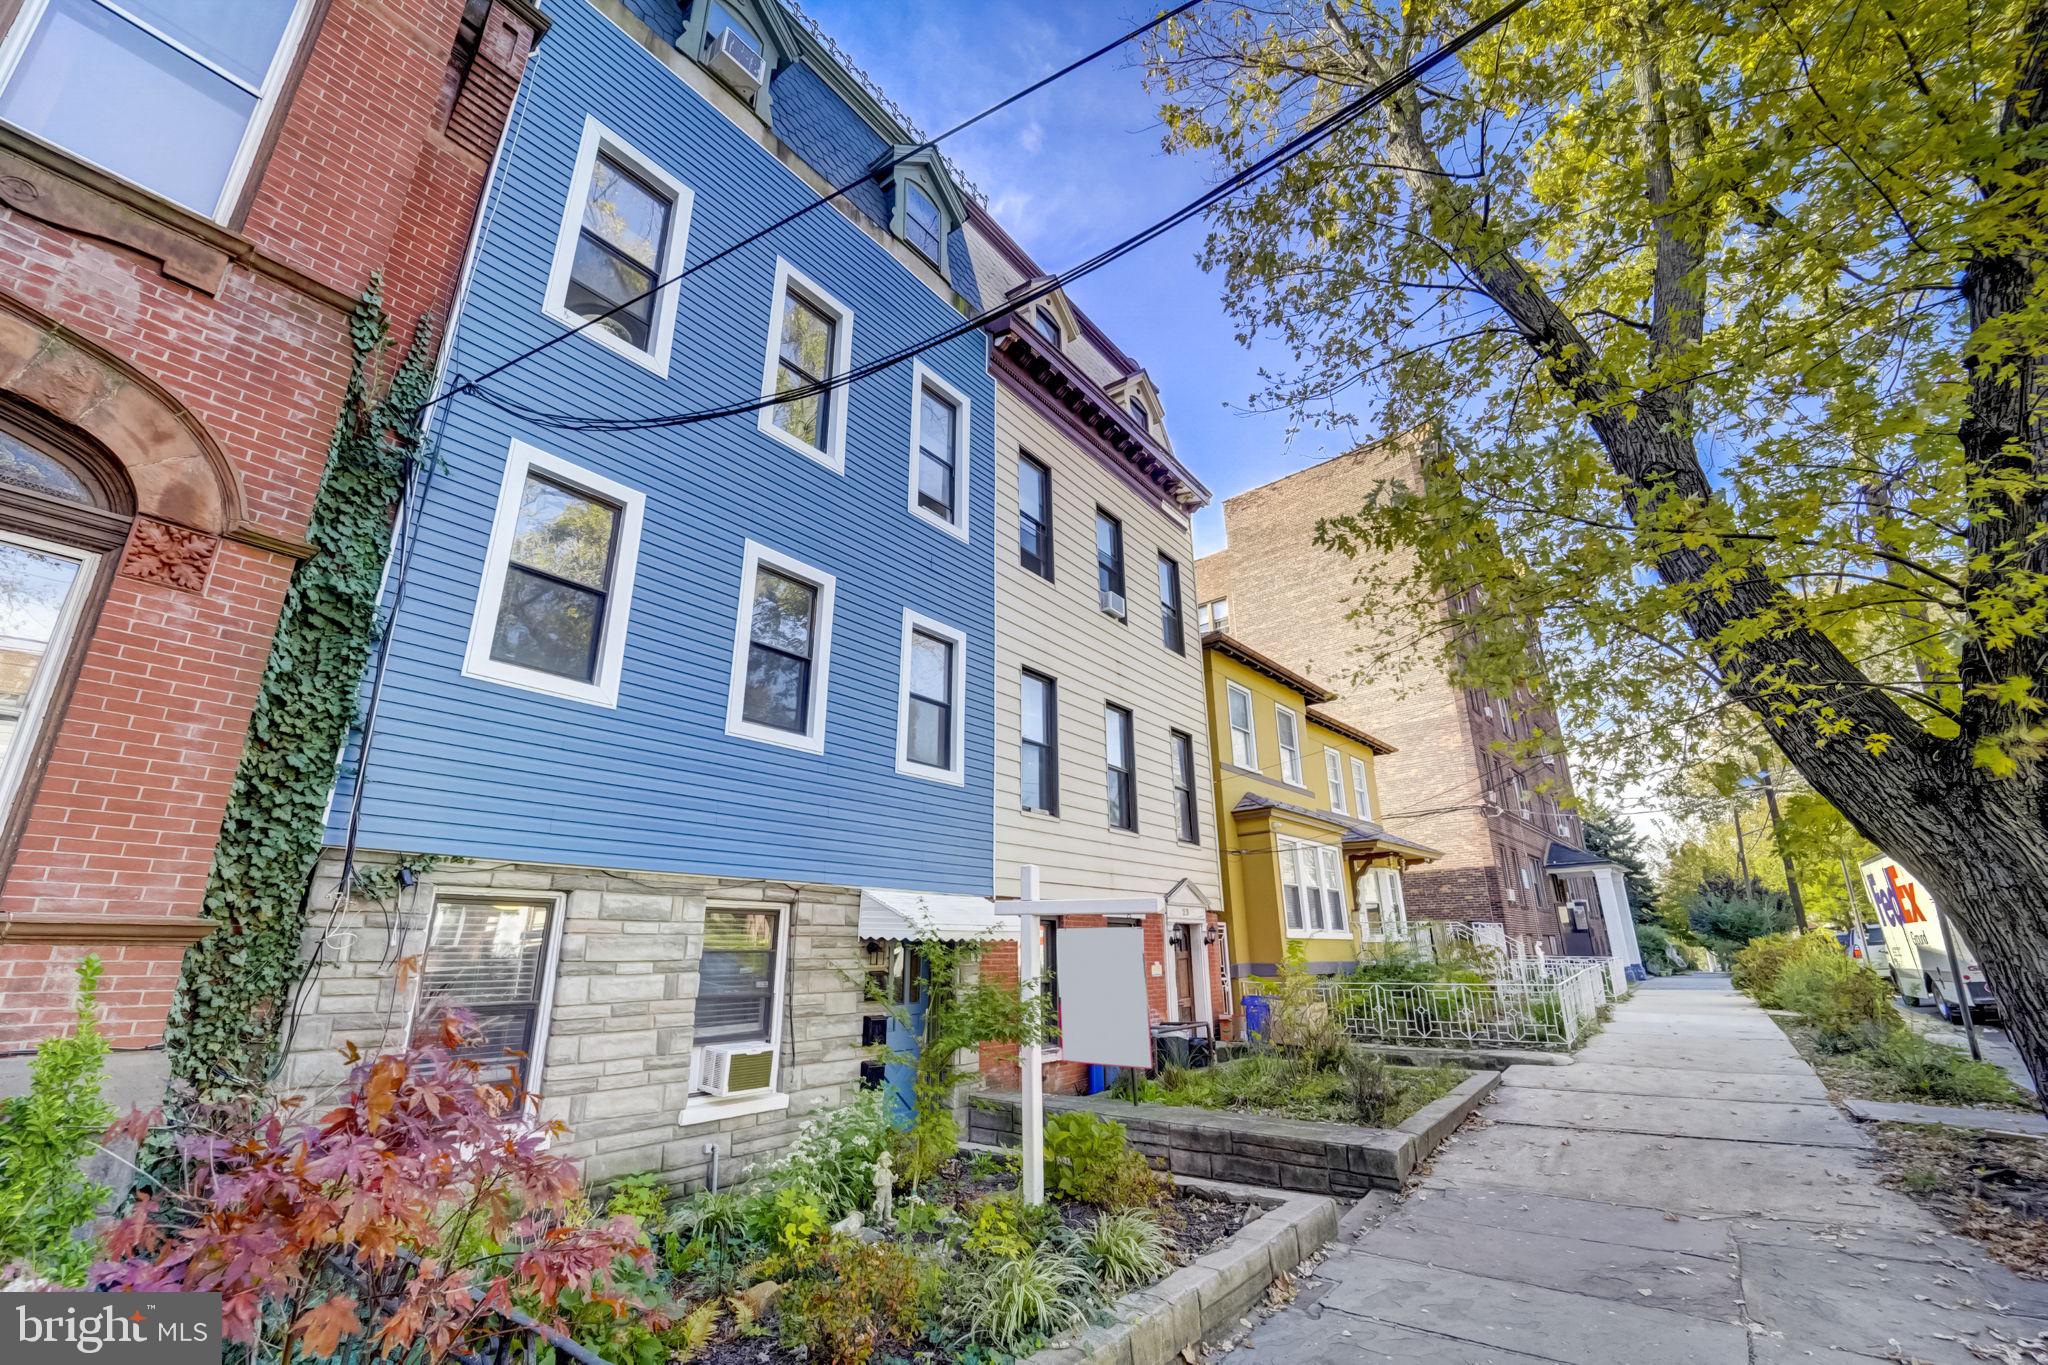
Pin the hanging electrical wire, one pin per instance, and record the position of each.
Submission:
(812, 206)
(1306, 140)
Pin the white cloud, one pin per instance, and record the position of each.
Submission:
(1031, 137)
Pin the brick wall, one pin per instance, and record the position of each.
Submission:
(243, 358)
(1295, 601)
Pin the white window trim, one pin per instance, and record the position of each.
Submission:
(957, 744)
(1307, 860)
(1251, 727)
(603, 690)
(281, 62)
(662, 325)
(35, 711)
(1333, 772)
(1297, 776)
(550, 960)
(1361, 791)
(812, 740)
(701, 1109)
(963, 433)
(833, 456)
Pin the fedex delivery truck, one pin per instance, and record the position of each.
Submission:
(1915, 956)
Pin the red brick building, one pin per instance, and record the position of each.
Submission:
(191, 201)
(1513, 851)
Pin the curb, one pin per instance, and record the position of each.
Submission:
(1197, 1302)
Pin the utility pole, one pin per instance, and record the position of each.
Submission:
(1784, 854)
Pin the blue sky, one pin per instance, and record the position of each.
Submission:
(1074, 168)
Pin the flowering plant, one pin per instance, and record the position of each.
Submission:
(402, 1219)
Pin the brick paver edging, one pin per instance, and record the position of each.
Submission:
(1341, 1159)
(1203, 1301)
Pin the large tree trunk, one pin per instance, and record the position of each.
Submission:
(1979, 843)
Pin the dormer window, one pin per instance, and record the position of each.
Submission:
(922, 226)
(1048, 326)
(719, 20)
(1140, 416)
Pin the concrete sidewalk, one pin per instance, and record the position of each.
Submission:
(1683, 1194)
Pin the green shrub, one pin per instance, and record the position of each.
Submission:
(711, 1234)
(789, 1220)
(834, 1154)
(1840, 997)
(1921, 1066)
(864, 1296)
(1757, 968)
(1374, 1088)
(46, 1136)
(642, 1197)
(1009, 1305)
(1090, 1160)
(1655, 944)
(1004, 1225)
(1125, 1251)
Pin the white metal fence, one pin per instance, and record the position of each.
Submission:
(1615, 976)
(1541, 1005)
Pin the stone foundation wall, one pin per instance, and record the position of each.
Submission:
(616, 1064)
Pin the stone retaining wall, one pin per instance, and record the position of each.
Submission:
(1339, 1159)
(1203, 1301)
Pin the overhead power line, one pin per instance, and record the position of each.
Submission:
(1302, 142)
(813, 205)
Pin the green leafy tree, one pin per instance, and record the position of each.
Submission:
(1717, 328)
(46, 1137)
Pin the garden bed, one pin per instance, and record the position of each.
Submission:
(1911, 1069)
(1273, 1086)
(1342, 1159)
(1992, 1187)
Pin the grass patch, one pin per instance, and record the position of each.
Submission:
(1900, 1065)
(1284, 1087)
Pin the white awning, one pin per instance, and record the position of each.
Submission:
(922, 914)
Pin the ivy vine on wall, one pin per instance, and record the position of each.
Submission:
(233, 991)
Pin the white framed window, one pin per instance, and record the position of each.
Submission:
(1333, 771)
(1335, 918)
(558, 580)
(625, 225)
(781, 651)
(1287, 726)
(1213, 615)
(49, 586)
(1361, 791)
(1244, 740)
(493, 957)
(939, 431)
(1038, 751)
(167, 94)
(1311, 887)
(931, 725)
(742, 974)
(810, 343)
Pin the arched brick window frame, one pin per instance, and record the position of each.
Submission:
(66, 509)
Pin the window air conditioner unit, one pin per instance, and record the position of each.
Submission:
(1112, 602)
(730, 1070)
(736, 61)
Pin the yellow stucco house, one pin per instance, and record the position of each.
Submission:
(1304, 855)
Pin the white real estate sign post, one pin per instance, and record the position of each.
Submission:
(1104, 1017)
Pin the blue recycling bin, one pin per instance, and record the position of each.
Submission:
(1256, 1010)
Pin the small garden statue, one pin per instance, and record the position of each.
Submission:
(885, 1190)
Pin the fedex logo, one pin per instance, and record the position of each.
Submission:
(1897, 902)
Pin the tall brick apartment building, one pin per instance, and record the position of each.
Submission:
(1513, 855)
(192, 197)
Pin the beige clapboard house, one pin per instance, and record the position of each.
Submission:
(1101, 734)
